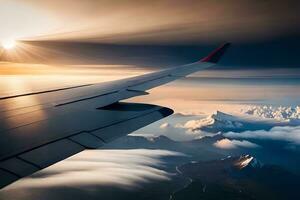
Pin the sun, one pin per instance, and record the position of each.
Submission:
(8, 44)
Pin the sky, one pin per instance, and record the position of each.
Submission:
(156, 34)
(161, 21)
(54, 44)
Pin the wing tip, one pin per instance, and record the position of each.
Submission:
(166, 111)
(216, 55)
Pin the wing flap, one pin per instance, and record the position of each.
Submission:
(19, 167)
(48, 154)
(87, 140)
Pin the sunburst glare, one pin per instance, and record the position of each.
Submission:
(8, 44)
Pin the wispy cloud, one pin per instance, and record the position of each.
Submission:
(285, 133)
(126, 169)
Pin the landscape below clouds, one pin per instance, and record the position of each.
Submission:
(271, 133)
(250, 146)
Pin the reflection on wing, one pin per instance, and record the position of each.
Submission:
(41, 128)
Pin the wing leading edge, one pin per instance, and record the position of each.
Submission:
(62, 122)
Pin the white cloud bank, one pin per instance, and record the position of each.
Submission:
(216, 120)
(199, 126)
(180, 129)
(233, 144)
(188, 127)
(120, 168)
(280, 113)
(285, 133)
(164, 125)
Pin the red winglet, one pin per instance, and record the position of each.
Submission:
(216, 55)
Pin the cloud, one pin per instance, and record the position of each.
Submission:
(191, 20)
(280, 113)
(195, 124)
(180, 132)
(164, 125)
(188, 127)
(233, 144)
(125, 169)
(285, 133)
(217, 120)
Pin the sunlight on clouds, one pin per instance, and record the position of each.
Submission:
(281, 113)
(232, 144)
(216, 120)
(176, 129)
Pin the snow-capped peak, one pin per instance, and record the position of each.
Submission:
(218, 115)
(226, 120)
(213, 123)
(280, 113)
(246, 161)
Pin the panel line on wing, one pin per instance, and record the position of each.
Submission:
(83, 99)
(31, 163)
(70, 138)
(10, 172)
(42, 92)
(88, 131)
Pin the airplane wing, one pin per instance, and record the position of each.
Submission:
(41, 128)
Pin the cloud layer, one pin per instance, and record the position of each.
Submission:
(281, 113)
(217, 120)
(285, 133)
(186, 127)
(233, 144)
(117, 168)
(132, 21)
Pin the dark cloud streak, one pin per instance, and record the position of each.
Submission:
(276, 53)
(172, 22)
